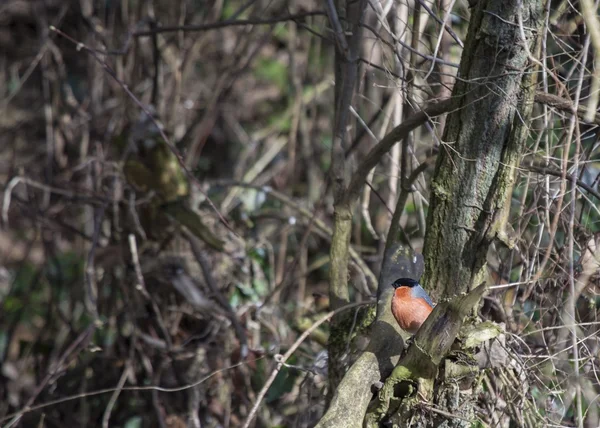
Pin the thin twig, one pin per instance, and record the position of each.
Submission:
(228, 23)
(408, 47)
(141, 287)
(569, 310)
(310, 215)
(444, 413)
(81, 341)
(281, 361)
(216, 292)
(91, 290)
(406, 188)
(114, 397)
(29, 408)
(398, 133)
(566, 105)
(569, 177)
(334, 20)
(443, 23)
(590, 15)
(167, 141)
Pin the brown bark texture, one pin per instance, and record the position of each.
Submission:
(481, 144)
(474, 176)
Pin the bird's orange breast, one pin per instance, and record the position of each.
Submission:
(410, 313)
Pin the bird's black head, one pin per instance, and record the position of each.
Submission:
(405, 282)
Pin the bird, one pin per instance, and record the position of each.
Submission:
(411, 305)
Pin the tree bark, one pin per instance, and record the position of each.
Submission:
(350, 400)
(482, 143)
(346, 73)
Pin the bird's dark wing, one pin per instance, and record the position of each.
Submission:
(418, 292)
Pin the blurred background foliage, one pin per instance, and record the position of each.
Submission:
(119, 269)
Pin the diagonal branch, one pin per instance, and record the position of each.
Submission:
(351, 399)
(398, 133)
(568, 177)
(190, 176)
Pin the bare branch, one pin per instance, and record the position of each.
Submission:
(228, 23)
(397, 134)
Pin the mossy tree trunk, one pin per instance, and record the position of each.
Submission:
(474, 175)
(482, 143)
(345, 19)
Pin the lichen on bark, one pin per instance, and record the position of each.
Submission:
(473, 178)
(481, 144)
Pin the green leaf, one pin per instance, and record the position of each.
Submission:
(188, 218)
(273, 71)
(24, 277)
(479, 333)
(134, 422)
(12, 304)
(283, 383)
(138, 176)
(260, 256)
(260, 286)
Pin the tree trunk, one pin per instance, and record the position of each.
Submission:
(482, 143)
(347, 15)
(474, 175)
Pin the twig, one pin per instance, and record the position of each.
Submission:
(398, 133)
(362, 131)
(286, 280)
(141, 287)
(37, 214)
(440, 36)
(443, 23)
(406, 188)
(320, 224)
(281, 361)
(590, 16)
(334, 20)
(172, 148)
(569, 310)
(228, 23)
(115, 395)
(569, 177)
(91, 290)
(564, 104)
(366, 198)
(156, 403)
(212, 285)
(408, 47)
(400, 23)
(29, 408)
(16, 180)
(81, 339)
(444, 413)
(141, 284)
(25, 76)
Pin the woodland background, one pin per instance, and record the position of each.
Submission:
(135, 292)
